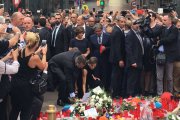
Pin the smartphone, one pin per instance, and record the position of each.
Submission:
(38, 11)
(94, 9)
(9, 30)
(43, 43)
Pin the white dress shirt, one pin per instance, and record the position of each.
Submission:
(8, 68)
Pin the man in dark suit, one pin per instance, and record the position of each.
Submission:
(134, 54)
(70, 29)
(65, 68)
(117, 57)
(88, 31)
(59, 41)
(44, 34)
(168, 40)
(100, 47)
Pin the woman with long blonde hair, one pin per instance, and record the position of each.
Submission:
(21, 93)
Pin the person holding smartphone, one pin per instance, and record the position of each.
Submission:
(5, 70)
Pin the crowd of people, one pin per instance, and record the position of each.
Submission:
(128, 53)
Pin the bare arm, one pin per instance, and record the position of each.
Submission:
(84, 77)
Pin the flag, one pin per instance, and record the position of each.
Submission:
(16, 3)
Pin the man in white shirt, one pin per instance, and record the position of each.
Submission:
(5, 70)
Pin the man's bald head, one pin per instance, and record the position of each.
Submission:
(28, 23)
(80, 20)
(17, 19)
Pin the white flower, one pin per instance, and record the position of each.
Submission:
(93, 96)
(82, 109)
(109, 99)
(97, 97)
(105, 98)
(97, 104)
(100, 100)
(91, 104)
(92, 101)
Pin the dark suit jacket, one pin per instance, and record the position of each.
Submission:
(88, 32)
(64, 62)
(61, 44)
(117, 50)
(44, 34)
(178, 47)
(95, 47)
(70, 31)
(133, 50)
(169, 38)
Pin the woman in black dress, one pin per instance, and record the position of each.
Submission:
(80, 42)
(90, 79)
(83, 45)
(21, 94)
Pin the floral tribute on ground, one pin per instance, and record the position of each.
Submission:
(98, 105)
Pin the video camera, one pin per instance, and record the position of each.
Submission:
(167, 8)
(144, 21)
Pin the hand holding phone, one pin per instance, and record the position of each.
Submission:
(44, 42)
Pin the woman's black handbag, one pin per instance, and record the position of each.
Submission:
(161, 58)
(39, 85)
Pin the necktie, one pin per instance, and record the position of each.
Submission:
(141, 41)
(53, 36)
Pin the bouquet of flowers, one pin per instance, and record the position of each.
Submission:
(98, 99)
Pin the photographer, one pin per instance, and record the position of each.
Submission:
(168, 39)
(176, 70)
(5, 70)
(150, 40)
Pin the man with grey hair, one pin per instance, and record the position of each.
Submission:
(64, 69)
(91, 22)
(17, 19)
(100, 44)
(117, 57)
(168, 42)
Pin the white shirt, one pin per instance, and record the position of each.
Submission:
(84, 26)
(8, 68)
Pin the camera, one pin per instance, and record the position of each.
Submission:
(43, 43)
(144, 21)
(9, 30)
(167, 8)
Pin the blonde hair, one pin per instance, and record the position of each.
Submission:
(32, 39)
